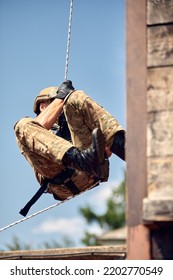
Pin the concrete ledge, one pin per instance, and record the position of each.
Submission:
(86, 253)
(157, 209)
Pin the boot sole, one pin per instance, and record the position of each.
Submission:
(102, 162)
(99, 144)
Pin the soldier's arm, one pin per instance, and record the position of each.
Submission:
(48, 117)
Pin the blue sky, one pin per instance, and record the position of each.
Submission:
(33, 39)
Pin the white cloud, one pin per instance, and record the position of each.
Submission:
(61, 225)
(68, 226)
(94, 228)
(98, 199)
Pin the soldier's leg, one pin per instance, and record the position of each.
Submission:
(118, 145)
(91, 160)
(84, 114)
(43, 147)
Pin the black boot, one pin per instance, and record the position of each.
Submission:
(91, 160)
(118, 146)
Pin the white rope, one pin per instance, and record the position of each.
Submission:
(69, 198)
(68, 40)
(66, 72)
(47, 208)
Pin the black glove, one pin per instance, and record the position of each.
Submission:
(63, 131)
(65, 88)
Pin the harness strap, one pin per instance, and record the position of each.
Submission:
(24, 211)
(63, 178)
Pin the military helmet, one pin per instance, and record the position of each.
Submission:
(44, 95)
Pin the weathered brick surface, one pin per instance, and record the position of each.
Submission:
(157, 206)
(160, 177)
(160, 134)
(159, 11)
(160, 89)
(160, 46)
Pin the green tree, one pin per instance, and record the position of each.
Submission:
(113, 218)
(17, 244)
(65, 242)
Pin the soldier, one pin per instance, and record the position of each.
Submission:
(69, 167)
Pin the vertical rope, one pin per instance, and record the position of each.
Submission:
(68, 40)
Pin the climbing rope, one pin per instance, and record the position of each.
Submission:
(68, 40)
(73, 196)
(47, 208)
(66, 73)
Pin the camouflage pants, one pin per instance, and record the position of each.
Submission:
(41, 147)
(83, 115)
(44, 151)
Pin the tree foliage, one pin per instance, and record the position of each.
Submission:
(16, 245)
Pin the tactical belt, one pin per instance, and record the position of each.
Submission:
(63, 178)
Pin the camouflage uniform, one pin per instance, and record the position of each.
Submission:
(83, 115)
(44, 150)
